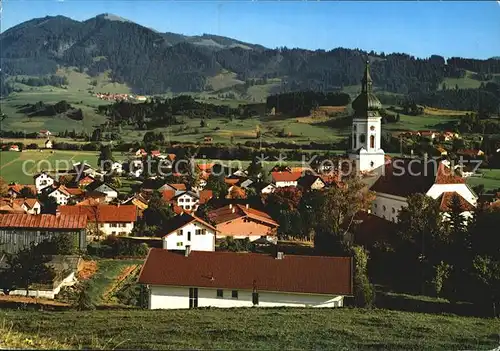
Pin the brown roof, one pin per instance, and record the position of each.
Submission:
(74, 191)
(226, 214)
(103, 213)
(30, 202)
(45, 221)
(168, 195)
(178, 186)
(183, 219)
(11, 206)
(286, 176)
(368, 229)
(402, 178)
(446, 201)
(248, 271)
(17, 187)
(207, 167)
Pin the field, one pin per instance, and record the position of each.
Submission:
(20, 167)
(490, 179)
(275, 328)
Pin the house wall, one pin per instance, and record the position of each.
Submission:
(116, 228)
(15, 239)
(35, 210)
(198, 242)
(437, 189)
(47, 294)
(61, 199)
(43, 181)
(170, 297)
(317, 185)
(281, 184)
(241, 228)
(187, 202)
(388, 206)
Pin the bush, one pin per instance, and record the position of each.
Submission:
(114, 246)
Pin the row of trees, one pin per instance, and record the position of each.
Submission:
(54, 80)
(300, 103)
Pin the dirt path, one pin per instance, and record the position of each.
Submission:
(9, 163)
(33, 300)
(118, 281)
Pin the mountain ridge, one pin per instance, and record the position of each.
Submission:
(152, 62)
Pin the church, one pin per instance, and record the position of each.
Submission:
(394, 179)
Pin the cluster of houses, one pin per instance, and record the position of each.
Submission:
(431, 134)
(120, 97)
(188, 271)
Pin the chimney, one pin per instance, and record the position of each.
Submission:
(247, 206)
(230, 206)
(279, 255)
(187, 251)
(233, 210)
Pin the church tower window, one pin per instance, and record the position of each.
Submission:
(362, 138)
(372, 141)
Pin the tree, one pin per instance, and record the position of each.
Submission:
(364, 292)
(4, 188)
(335, 211)
(217, 185)
(255, 169)
(84, 300)
(48, 204)
(27, 192)
(28, 266)
(158, 213)
(106, 158)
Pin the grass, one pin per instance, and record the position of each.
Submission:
(104, 279)
(490, 179)
(11, 339)
(259, 328)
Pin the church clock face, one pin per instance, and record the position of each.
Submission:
(372, 128)
(362, 138)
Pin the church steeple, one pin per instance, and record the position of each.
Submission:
(366, 101)
(366, 82)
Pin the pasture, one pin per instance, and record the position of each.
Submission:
(490, 179)
(256, 328)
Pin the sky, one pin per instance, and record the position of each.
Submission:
(423, 28)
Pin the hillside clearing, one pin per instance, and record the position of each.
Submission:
(259, 328)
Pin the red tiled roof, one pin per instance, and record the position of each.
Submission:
(286, 176)
(205, 195)
(168, 195)
(446, 201)
(30, 202)
(248, 271)
(155, 152)
(171, 157)
(45, 221)
(74, 191)
(468, 152)
(446, 175)
(226, 214)
(183, 219)
(231, 181)
(103, 213)
(17, 187)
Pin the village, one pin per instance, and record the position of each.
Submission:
(218, 236)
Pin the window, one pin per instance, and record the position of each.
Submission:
(187, 207)
(180, 244)
(181, 200)
(220, 293)
(123, 225)
(193, 297)
(113, 225)
(201, 231)
(255, 298)
(372, 141)
(393, 210)
(123, 233)
(234, 294)
(101, 225)
(113, 233)
(179, 232)
(384, 208)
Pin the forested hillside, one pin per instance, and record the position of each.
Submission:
(151, 62)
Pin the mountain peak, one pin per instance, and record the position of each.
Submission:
(112, 17)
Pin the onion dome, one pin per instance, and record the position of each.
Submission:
(366, 101)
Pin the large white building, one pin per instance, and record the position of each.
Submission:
(42, 181)
(179, 280)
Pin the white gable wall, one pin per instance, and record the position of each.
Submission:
(438, 189)
(198, 242)
(42, 181)
(187, 202)
(171, 297)
(61, 199)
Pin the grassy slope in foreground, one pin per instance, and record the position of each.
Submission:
(260, 329)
